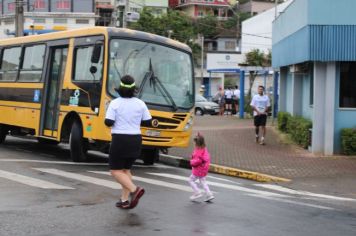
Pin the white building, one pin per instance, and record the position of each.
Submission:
(43, 16)
(257, 30)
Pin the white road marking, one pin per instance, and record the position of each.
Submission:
(152, 181)
(31, 181)
(305, 193)
(54, 162)
(83, 178)
(222, 179)
(227, 186)
(292, 202)
(80, 163)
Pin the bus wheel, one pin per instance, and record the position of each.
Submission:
(149, 156)
(78, 144)
(3, 132)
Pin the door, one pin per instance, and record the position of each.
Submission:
(54, 80)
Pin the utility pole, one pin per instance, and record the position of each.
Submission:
(275, 8)
(124, 17)
(19, 18)
(202, 58)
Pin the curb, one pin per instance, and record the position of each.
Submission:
(229, 171)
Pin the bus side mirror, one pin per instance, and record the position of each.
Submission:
(95, 57)
(93, 69)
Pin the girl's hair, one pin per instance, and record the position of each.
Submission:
(199, 141)
(127, 87)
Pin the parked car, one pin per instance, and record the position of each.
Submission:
(203, 106)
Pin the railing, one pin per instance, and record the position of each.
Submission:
(214, 2)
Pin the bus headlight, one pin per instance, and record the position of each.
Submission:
(189, 124)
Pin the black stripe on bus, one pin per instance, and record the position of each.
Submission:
(32, 95)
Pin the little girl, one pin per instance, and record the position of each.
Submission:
(200, 165)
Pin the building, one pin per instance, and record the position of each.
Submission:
(257, 31)
(216, 48)
(157, 8)
(314, 47)
(255, 7)
(198, 8)
(42, 16)
(105, 10)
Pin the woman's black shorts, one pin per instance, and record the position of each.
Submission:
(124, 150)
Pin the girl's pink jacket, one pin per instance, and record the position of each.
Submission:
(200, 162)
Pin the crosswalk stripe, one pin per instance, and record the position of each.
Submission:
(305, 193)
(292, 202)
(83, 178)
(152, 181)
(227, 186)
(31, 181)
(54, 162)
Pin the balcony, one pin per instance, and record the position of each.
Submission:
(203, 2)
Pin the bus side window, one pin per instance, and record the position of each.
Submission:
(32, 66)
(83, 63)
(10, 63)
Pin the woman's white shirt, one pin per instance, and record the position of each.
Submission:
(127, 114)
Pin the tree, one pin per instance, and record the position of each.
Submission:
(259, 59)
(207, 26)
(174, 24)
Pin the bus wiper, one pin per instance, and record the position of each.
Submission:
(153, 79)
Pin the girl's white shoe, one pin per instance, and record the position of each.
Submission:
(195, 196)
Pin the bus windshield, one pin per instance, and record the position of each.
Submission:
(170, 81)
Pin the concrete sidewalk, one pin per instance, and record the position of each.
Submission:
(234, 152)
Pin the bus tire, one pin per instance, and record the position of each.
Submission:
(78, 144)
(149, 156)
(3, 132)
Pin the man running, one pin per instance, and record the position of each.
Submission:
(260, 104)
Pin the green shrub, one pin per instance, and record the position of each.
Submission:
(282, 119)
(348, 141)
(300, 131)
(297, 127)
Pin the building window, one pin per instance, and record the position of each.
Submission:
(39, 4)
(230, 45)
(347, 85)
(60, 21)
(9, 22)
(39, 21)
(311, 91)
(82, 21)
(63, 4)
(11, 6)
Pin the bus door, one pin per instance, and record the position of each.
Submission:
(56, 62)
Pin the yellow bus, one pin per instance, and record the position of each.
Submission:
(57, 87)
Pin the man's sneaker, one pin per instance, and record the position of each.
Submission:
(209, 197)
(195, 196)
(135, 196)
(262, 141)
(256, 138)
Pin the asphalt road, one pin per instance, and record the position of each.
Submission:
(44, 193)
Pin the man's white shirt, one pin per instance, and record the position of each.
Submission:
(236, 93)
(260, 103)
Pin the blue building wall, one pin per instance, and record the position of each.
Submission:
(289, 98)
(315, 30)
(306, 107)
